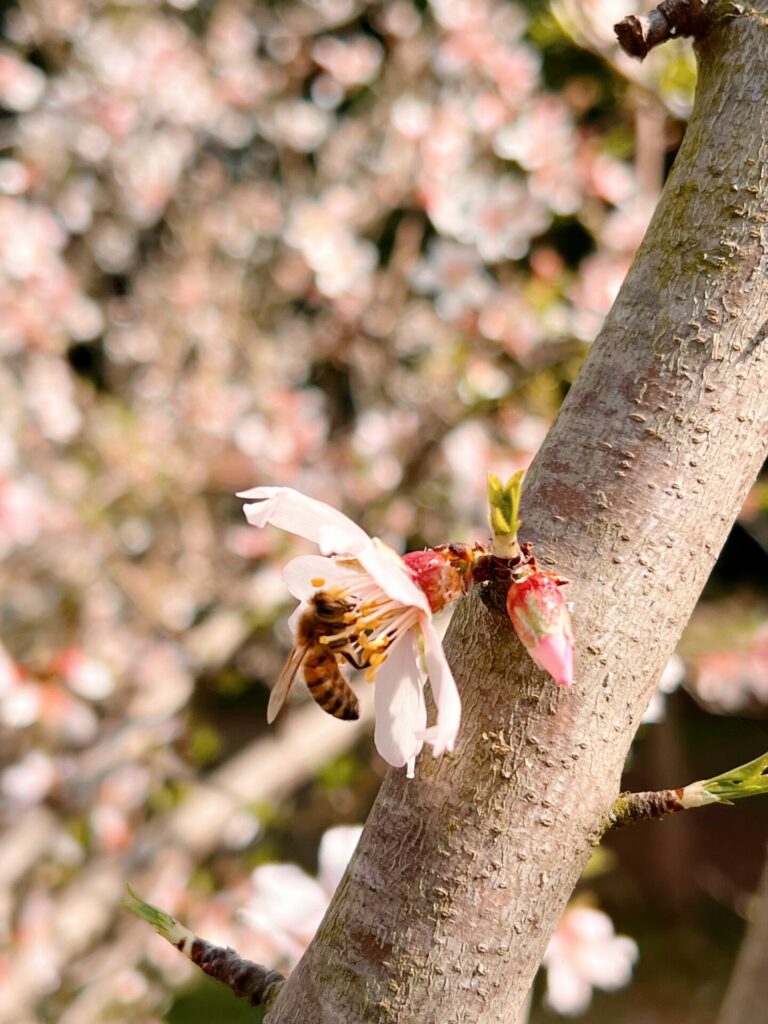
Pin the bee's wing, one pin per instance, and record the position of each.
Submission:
(284, 682)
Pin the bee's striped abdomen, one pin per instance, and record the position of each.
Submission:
(327, 685)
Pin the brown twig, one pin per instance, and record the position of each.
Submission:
(638, 34)
(632, 807)
(750, 779)
(248, 980)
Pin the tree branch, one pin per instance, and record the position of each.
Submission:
(638, 34)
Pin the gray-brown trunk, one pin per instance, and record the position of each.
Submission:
(463, 872)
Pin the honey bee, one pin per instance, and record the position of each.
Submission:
(323, 635)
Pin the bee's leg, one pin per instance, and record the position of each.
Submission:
(352, 660)
(337, 640)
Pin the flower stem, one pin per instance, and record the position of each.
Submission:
(247, 979)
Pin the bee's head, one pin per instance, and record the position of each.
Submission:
(329, 606)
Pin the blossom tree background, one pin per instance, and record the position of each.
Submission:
(360, 249)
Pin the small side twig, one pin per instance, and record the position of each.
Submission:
(632, 807)
(749, 779)
(638, 34)
(251, 981)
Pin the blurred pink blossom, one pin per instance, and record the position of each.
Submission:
(298, 124)
(411, 116)
(541, 135)
(351, 61)
(30, 780)
(20, 701)
(37, 941)
(600, 277)
(625, 227)
(15, 178)
(455, 275)
(88, 677)
(50, 395)
(467, 451)
(342, 263)
(497, 216)
(447, 146)
(22, 512)
(110, 829)
(287, 905)
(507, 318)
(585, 953)
(611, 179)
(671, 678)
(734, 677)
(21, 84)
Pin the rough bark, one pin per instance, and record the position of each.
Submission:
(746, 1001)
(463, 872)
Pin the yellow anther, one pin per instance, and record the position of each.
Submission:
(317, 581)
(370, 674)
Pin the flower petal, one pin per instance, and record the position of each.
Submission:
(295, 617)
(608, 965)
(302, 575)
(567, 992)
(289, 510)
(390, 572)
(399, 703)
(442, 735)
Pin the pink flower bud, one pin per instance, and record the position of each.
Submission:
(540, 616)
(442, 573)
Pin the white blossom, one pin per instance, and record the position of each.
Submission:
(585, 953)
(390, 619)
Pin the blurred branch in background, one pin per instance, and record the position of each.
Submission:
(85, 909)
(746, 999)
